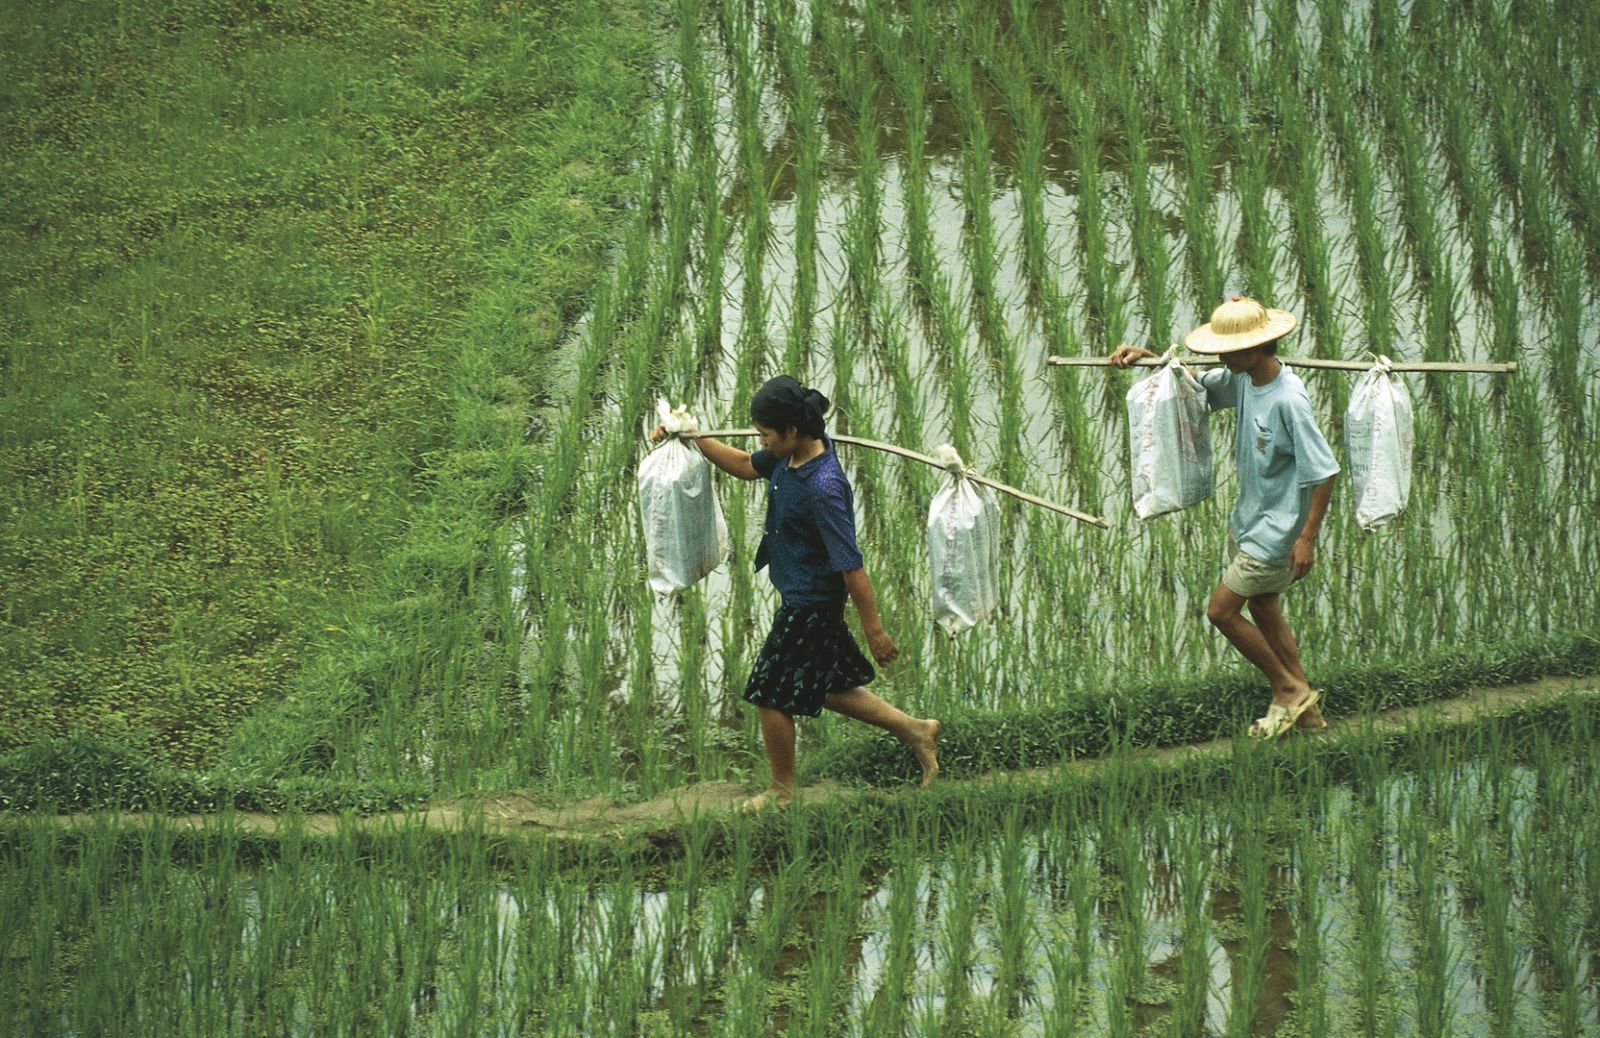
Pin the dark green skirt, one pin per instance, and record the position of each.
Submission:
(808, 655)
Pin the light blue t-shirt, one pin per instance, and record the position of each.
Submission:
(1281, 455)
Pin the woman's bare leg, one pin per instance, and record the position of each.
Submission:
(920, 734)
(777, 735)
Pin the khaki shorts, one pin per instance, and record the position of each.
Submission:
(1248, 577)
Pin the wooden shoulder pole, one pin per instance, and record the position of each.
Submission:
(1310, 363)
(889, 448)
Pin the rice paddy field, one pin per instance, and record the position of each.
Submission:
(912, 206)
(1442, 885)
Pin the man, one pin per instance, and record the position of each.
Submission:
(1286, 473)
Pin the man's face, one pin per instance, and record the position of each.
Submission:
(1241, 360)
(781, 442)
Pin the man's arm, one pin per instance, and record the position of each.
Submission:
(1125, 355)
(1304, 551)
(860, 587)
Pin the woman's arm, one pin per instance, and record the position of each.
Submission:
(859, 585)
(732, 460)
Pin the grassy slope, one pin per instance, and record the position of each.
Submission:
(257, 323)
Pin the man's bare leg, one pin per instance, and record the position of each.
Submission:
(1267, 612)
(921, 735)
(1225, 613)
(777, 735)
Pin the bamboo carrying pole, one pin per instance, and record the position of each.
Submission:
(1508, 368)
(856, 441)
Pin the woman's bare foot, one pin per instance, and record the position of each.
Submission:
(771, 796)
(926, 747)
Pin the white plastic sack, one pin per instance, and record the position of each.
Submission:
(1378, 437)
(1170, 441)
(963, 549)
(684, 534)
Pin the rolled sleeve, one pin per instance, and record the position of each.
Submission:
(764, 462)
(1313, 458)
(1222, 388)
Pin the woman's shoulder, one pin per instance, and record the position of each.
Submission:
(829, 478)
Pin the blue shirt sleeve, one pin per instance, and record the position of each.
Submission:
(1313, 458)
(1222, 389)
(835, 515)
(764, 462)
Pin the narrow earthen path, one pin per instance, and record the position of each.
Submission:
(602, 819)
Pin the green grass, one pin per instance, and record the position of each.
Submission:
(279, 286)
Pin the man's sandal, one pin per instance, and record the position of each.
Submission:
(1312, 720)
(1280, 719)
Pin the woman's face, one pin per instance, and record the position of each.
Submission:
(781, 442)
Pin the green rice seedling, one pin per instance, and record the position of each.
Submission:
(976, 188)
(1435, 959)
(1552, 920)
(1149, 237)
(1258, 249)
(826, 964)
(909, 76)
(1027, 115)
(1193, 869)
(950, 323)
(1311, 986)
(1535, 208)
(1372, 251)
(890, 322)
(956, 937)
(1132, 916)
(845, 60)
(1375, 1014)
(1460, 119)
(805, 113)
(1305, 213)
(1094, 267)
(1573, 159)
(1014, 924)
(1199, 210)
(1497, 946)
(887, 1014)
(1566, 336)
(1249, 851)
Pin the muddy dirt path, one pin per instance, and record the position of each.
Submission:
(602, 819)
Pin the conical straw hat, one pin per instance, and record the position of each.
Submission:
(1239, 324)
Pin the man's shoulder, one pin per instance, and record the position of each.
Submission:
(1291, 389)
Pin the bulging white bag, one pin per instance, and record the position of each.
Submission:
(1378, 437)
(963, 549)
(1170, 441)
(684, 534)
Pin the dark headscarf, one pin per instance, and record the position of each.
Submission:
(783, 402)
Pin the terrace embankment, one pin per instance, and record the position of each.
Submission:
(660, 820)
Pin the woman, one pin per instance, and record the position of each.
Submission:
(809, 660)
